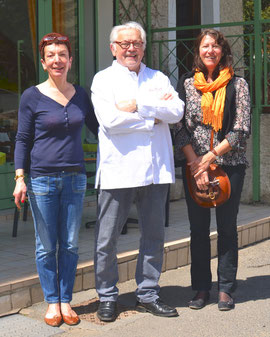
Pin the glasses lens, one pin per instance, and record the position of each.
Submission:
(62, 38)
(57, 38)
(126, 45)
(137, 45)
(49, 38)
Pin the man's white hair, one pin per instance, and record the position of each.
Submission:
(129, 25)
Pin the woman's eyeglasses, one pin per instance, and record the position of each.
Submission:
(56, 38)
(127, 44)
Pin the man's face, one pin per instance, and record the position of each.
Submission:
(132, 56)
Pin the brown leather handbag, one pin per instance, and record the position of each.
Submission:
(219, 188)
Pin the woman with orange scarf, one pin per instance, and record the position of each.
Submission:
(218, 103)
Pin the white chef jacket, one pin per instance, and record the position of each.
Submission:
(133, 151)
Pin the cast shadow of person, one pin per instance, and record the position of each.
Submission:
(253, 288)
(175, 296)
(249, 289)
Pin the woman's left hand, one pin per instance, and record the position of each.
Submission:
(201, 164)
(20, 192)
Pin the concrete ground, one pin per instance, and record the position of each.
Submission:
(18, 254)
(250, 318)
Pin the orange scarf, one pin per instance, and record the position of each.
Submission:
(213, 108)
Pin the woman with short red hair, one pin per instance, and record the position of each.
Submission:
(48, 147)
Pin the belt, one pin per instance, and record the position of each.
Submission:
(72, 169)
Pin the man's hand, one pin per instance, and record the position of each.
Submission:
(127, 106)
(166, 97)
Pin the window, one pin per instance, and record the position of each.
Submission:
(188, 14)
(19, 59)
(65, 21)
(17, 65)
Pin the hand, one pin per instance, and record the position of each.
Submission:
(202, 181)
(19, 192)
(127, 106)
(167, 97)
(201, 164)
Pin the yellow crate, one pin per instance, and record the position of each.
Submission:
(89, 147)
(3, 158)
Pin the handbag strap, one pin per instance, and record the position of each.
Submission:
(212, 140)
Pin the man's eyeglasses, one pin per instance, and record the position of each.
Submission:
(56, 38)
(126, 44)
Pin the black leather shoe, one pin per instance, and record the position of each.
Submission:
(107, 311)
(157, 308)
(226, 305)
(200, 300)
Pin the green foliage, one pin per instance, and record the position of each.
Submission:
(248, 7)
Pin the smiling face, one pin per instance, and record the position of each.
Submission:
(210, 53)
(131, 57)
(56, 60)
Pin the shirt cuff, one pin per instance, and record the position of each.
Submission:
(149, 122)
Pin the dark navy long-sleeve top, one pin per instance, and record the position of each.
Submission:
(48, 139)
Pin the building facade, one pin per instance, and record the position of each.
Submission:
(171, 27)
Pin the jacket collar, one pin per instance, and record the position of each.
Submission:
(119, 67)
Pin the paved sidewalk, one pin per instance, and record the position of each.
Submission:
(19, 282)
(18, 254)
(250, 318)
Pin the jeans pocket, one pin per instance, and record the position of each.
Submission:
(38, 186)
(79, 183)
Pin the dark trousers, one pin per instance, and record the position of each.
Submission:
(226, 219)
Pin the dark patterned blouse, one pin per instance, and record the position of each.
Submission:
(199, 134)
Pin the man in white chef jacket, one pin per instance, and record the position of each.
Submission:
(134, 106)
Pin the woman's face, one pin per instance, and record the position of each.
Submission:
(56, 60)
(210, 52)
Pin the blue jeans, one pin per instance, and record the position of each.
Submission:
(113, 210)
(56, 203)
